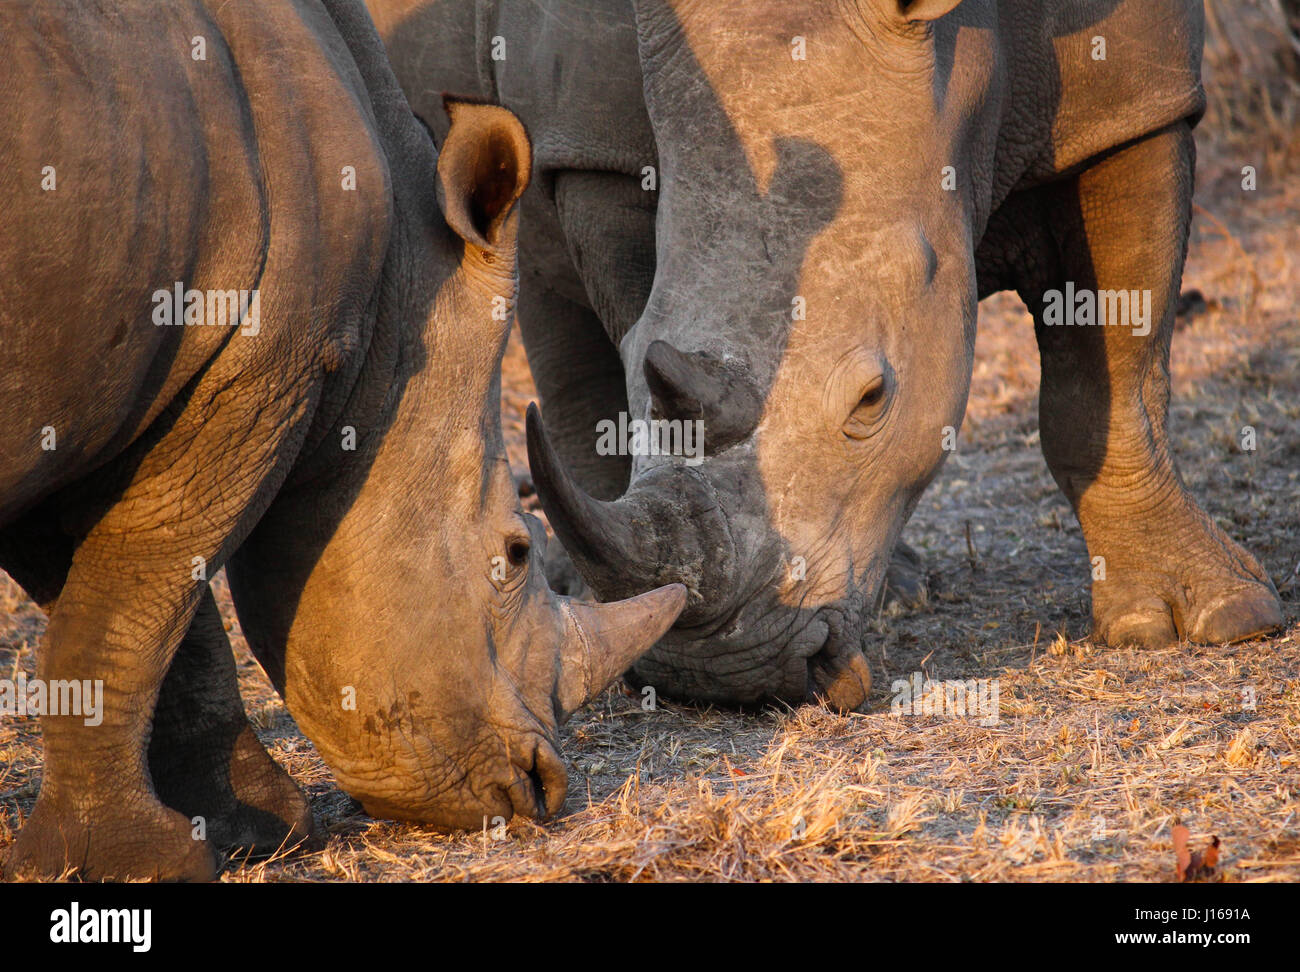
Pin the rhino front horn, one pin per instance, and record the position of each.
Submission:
(668, 528)
(601, 641)
(599, 536)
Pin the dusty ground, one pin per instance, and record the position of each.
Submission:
(1097, 751)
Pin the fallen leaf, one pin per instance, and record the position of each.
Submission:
(1193, 865)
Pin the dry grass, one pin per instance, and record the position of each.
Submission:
(1252, 79)
(1098, 751)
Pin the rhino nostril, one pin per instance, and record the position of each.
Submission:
(539, 788)
(820, 667)
(550, 769)
(838, 678)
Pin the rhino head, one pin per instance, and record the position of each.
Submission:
(814, 307)
(394, 592)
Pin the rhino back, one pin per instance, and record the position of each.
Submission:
(212, 185)
(1087, 76)
(433, 47)
(568, 68)
(105, 207)
(573, 75)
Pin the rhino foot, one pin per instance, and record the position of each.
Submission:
(118, 843)
(271, 812)
(1218, 595)
(1240, 616)
(1150, 622)
(906, 583)
(246, 799)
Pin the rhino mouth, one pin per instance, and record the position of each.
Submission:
(799, 657)
(539, 791)
(526, 778)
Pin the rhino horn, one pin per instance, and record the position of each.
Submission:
(668, 528)
(601, 641)
(691, 385)
(600, 536)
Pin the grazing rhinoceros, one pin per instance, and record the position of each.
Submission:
(251, 317)
(838, 185)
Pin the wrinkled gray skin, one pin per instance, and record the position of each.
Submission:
(392, 590)
(822, 179)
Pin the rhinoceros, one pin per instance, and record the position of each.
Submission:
(839, 183)
(253, 318)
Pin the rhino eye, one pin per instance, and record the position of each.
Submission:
(867, 414)
(517, 551)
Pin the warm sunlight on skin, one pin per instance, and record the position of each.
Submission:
(893, 264)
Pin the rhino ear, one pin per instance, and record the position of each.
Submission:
(483, 169)
(914, 10)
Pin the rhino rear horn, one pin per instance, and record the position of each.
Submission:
(693, 386)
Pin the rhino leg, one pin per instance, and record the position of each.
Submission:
(1169, 572)
(580, 381)
(204, 758)
(97, 815)
(182, 496)
(38, 555)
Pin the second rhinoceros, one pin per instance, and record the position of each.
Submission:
(838, 184)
